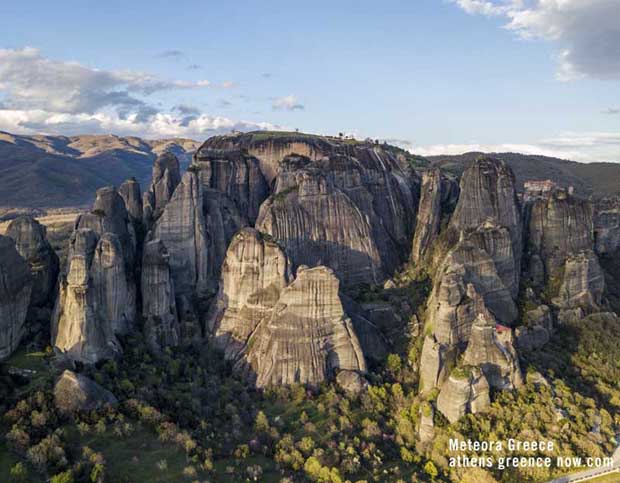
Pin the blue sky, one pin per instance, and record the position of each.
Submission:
(438, 76)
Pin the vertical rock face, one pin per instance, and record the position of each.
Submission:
(466, 391)
(308, 336)
(31, 243)
(607, 226)
(166, 177)
(488, 199)
(342, 212)
(79, 329)
(115, 289)
(437, 197)
(280, 330)
(253, 275)
(475, 287)
(15, 289)
(132, 196)
(562, 262)
(109, 215)
(182, 229)
(161, 325)
(236, 174)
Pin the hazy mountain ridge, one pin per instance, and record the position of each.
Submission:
(59, 171)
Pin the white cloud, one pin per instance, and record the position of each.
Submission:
(584, 147)
(32, 81)
(40, 95)
(289, 103)
(587, 32)
(160, 125)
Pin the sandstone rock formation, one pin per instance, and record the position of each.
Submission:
(236, 174)
(161, 325)
(438, 196)
(80, 327)
(351, 382)
(75, 392)
(607, 226)
(31, 243)
(563, 266)
(15, 291)
(254, 273)
(466, 391)
(132, 196)
(474, 291)
(308, 337)
(166, 177)
(279, 330)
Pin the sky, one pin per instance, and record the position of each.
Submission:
(434, 76)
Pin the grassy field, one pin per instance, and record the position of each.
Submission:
(611, 478)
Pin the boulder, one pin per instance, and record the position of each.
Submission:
(31, 243)
(15, 292)
(351, 382)
(76, 393)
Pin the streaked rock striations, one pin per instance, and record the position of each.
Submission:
(166, 177)
(79, 330)
(132, 196)
(466, 391)
(607, 226)
(31, 243)
(161, 325)
(280, 330)
(308, 337)
(254, 273)
(15, 291)
(438, 197)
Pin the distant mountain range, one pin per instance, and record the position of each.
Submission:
(594, 179)
(59, 171)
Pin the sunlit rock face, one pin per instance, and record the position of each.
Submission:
(31, 243)
(563, 263)
(280, 329)
(476, 272)
(16, 283)
(81, 330)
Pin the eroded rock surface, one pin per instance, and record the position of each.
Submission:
(15, 291)
(166, 177)
(31, 243)
(132, 196)
(466, 391)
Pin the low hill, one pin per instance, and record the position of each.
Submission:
(59, 171)
(594, 179)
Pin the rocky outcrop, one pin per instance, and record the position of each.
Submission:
(95, 300)
(132, 196)
(236, 174)
(607, 226)
(466, 391)
(308, 336)
(31, 243)
(563, 266)
(109, 215)
(254, 273)
(182, 229)
(161, 325)
(438, 196)
(426, 429)
(280, 330)
(15, 290)
(77, 393)
(352, 214)
(166, 177)
(351, 382)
